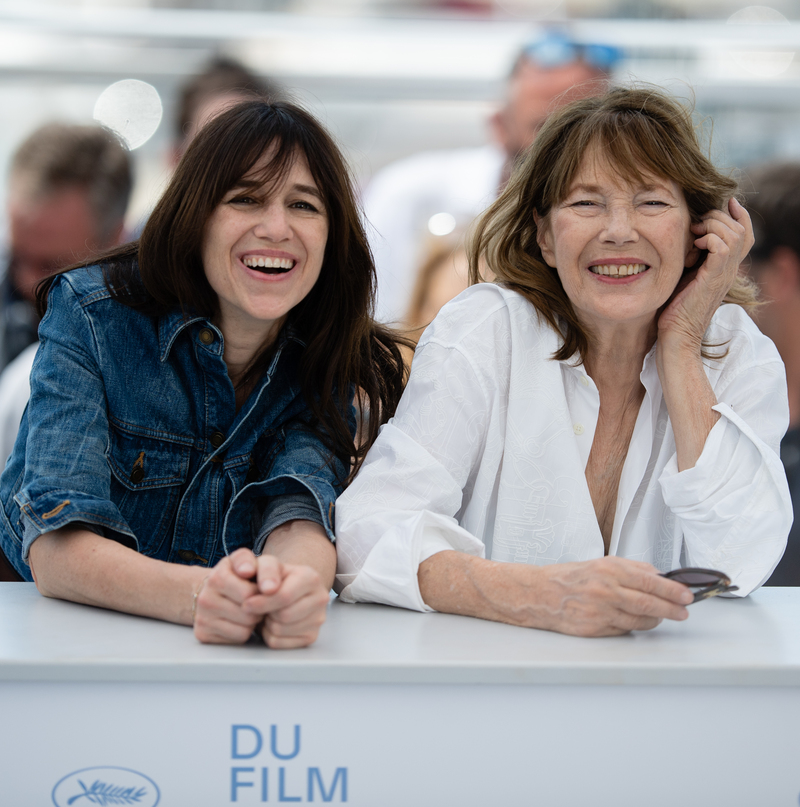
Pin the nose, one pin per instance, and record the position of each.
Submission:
(619, 226)
(273, 223)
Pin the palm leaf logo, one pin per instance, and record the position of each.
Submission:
(106, 794)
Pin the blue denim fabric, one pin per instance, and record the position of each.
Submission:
(119, 435)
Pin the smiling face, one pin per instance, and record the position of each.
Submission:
(619, 248)
(263, 248)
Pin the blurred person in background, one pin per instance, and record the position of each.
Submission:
(442, 275)
(67, 195)
(68, 191)
(774, 204)
(223, 83)
(401, 198)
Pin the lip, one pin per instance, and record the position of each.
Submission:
(616, 261)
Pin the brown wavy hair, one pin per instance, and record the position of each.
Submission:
(346, 352)
(640, 131)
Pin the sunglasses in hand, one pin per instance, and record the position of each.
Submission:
(704, 583)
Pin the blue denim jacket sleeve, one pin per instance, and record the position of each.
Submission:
(288, 507)
(66, 473)
(304, 470)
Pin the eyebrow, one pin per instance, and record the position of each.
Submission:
(251, 184)
(596, 189)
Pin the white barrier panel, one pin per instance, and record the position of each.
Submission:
(137, 713)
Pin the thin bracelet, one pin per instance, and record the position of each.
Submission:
(196, 595)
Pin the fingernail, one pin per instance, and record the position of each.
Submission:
(687, 597)
(268, 585)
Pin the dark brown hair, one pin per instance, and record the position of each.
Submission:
(639, 131)
(346, 352)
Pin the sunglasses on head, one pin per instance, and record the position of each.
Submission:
(556, 50)
(704, 583)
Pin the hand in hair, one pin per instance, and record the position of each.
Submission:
(683, 323)
(727, 237)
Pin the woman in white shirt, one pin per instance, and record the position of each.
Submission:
(593, 418)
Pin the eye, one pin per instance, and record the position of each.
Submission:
(584, 203)
(242, 200)
(304, 204)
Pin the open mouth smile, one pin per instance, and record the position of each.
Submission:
(269, 266)
(619, 270)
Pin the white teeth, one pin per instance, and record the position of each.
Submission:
(618, 270)
(257, 261)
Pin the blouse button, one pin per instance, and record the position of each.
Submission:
(206, 336)
(578, 429)
(217, 439)
(584, 381)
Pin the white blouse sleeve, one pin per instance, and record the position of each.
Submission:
(734, 504)
(401, 507)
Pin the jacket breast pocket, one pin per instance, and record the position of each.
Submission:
(148, 475)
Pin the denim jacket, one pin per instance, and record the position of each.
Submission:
(132, 431)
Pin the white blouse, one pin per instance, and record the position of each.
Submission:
(488, 450)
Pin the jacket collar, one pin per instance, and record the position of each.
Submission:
(172, 324)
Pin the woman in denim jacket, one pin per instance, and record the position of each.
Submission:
(190, 422)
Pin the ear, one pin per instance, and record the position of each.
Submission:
(544, 238)
(692, 255)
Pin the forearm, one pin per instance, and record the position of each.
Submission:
(457, 583)
(81, 566)
(601, 597)
(689, 398)
(304, 543)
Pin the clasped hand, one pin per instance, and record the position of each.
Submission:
(286, 603)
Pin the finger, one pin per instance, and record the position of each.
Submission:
(225, 582)
(297, 582)
(739, 213)
(243, 562)
(222, 632)
(625, 622)
(640, 604)
(279, 635)
(288, 642)
(312, 607)
(662, 588)
(270, 574)
(212, 604)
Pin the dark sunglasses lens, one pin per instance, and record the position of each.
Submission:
(689, 578)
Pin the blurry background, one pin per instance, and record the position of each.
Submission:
(388, 77)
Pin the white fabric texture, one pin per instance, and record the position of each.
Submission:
(15, 390)
(488, 450)
(403, 196)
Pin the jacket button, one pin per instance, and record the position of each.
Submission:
(206, 336)
(137, 475)
(188, 555)
(217, 439)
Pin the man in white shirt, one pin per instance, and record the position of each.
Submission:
(401, 199)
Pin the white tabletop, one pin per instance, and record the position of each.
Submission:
(749, 642)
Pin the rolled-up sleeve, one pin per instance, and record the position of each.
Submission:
(734, 504)
(401, 507)
(67, 477)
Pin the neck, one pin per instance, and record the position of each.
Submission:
(242, 345)
(615, 357)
